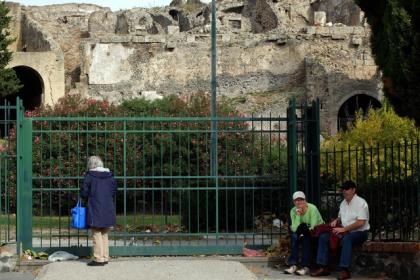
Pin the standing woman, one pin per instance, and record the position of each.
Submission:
(100, 188)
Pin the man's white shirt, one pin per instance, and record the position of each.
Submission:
(357, 209)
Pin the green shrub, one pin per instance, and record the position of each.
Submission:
(381, 154)
(380, 144)
(382, 126)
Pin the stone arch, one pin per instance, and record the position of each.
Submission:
(348, 108)
(31, 94)
(48, 68)
(32, 90)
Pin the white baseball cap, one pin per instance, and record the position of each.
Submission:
(299, 194)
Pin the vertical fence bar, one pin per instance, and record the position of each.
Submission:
(291, 146)
(214, 135)
(417, 185)
(313, 151)
(392, 189)
(399, 205)
(125, 180)
(385, 180)
(406, 211)
(254, 175)
(24, 178)
(412, 186)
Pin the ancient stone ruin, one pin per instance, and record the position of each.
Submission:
(268, 51)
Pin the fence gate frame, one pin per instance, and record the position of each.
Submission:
(303, 148)
(23, 179)
(307, 124)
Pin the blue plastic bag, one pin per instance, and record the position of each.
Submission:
(78, 216)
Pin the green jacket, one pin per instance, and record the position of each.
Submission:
(312, 217)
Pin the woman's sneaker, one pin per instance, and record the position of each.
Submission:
(292, 269)
(303, 271)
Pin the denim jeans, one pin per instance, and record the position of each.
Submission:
(295, 241)
(347, 243)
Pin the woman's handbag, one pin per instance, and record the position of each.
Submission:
(334, 240)
(319, 229)
(78, 216)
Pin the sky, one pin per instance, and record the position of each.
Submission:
(115, 5)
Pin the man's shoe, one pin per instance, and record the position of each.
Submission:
(95, 263)
(322, 271)
(105, 262)
(344, 274)
(292, 269)
(303, 271)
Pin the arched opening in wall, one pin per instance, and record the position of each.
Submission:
(30, 93)
(32, 88)
(347, 112)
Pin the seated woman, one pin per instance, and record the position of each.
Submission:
(304, 216)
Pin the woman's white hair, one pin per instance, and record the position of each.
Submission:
(94, 161)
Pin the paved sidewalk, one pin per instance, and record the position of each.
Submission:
(148, 269)
(16, 276)
(166, 268)
(268, 273)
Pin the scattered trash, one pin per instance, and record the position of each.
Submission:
(151, 228)
(271, 222)
(253, 253)
(6, 251)
(277, 223)
(61, 256)
(280, 250)
(31, 254)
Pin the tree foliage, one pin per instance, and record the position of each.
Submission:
(9, 83)
(396, 47)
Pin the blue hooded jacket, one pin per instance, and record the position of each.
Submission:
(100, 188)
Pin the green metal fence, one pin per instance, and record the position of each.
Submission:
(7, 167)
(168, 201)
(387, 177)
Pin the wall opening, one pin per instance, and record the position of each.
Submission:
(32, 88)
(235, 24)
(347, 112)
(30, 93)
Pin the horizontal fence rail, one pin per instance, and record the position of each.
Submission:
(166, 201)
(387, 176)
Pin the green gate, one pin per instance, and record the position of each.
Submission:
(7, 168)
(168, 203)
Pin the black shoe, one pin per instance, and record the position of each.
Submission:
(94, 263)
(322, 271)
(105, 262)
(344, 274)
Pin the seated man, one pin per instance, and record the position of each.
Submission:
(304, 216)
(354, 218)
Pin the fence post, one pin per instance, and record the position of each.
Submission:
(24, 178)
(312, 151)
(291, 146)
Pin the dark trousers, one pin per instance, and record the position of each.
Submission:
(295, 241)
(347, 243)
